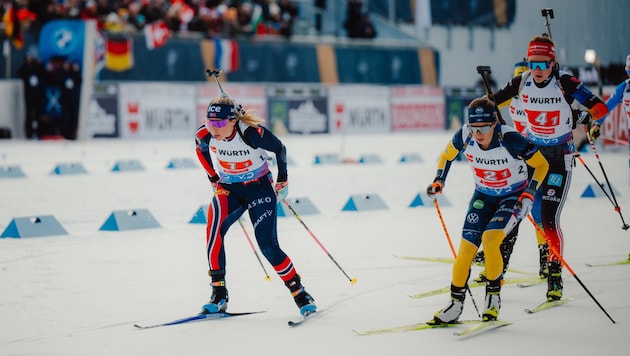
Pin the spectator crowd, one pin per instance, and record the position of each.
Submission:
(212, 18)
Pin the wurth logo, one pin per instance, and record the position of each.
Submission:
(491, 162)
(133, 107)
(535, 100)
(525, 98)
(234, 152)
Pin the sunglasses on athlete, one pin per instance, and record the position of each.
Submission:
(480, 129)
(217, 123)
(542, 65)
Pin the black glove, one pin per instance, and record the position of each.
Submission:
(594, 130)
(583, 118)
(214, 180)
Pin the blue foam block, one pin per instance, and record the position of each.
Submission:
(417, 201)
(302, 206)
(201, 216)
(328, 158)
(421, 199)
(370, 158)
(129, 220)
(410, 157)
(45, 225)
(69, 168)
(128, 165)
(358, 202)
(11, 172)
(181, 163)
(594, 191)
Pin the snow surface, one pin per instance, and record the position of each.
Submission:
(81, 293)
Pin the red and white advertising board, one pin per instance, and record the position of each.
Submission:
(417, 108)
(156, 110)
(616, 126)
(359, 109)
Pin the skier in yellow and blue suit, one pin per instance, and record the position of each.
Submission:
(498, 157)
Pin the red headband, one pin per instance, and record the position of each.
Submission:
(541, 48)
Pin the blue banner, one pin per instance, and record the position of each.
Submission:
(62, 38)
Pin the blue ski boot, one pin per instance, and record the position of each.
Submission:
(218, 301)
(303, 300)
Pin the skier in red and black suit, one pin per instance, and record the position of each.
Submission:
(546, 96)
(242, 181)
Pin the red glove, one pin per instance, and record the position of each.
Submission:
(282, 190)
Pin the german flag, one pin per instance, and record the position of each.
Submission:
(118, 54)
(12, 27)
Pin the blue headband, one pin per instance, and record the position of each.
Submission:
(220, 111)
(481, 114)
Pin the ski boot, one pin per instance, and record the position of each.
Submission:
(305, 302)
(492, 301)
(218, 300)
(302, 299)
(453, 309)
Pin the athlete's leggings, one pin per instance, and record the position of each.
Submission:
(488, 220)
(550, 198)
(228, 204)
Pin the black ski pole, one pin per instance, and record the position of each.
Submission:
(579, 157)
(565, 264)
(625, 226)
(483, 71)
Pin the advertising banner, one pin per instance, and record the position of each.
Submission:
(150, 110)
(64, 39)
(103, 111)
(456, 104)
(359, 109)
(299, 109)
(417, 108)
(616, 127)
